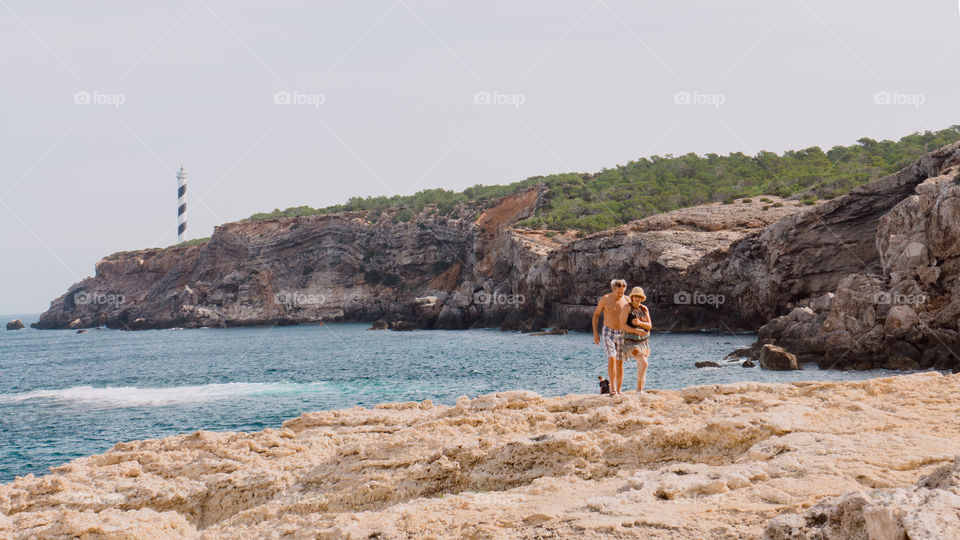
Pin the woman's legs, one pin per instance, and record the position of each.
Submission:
(642, 368)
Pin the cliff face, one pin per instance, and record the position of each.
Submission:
(805, 256)
(902, 310)
(453, 273)
(291, 270)
(723, 266)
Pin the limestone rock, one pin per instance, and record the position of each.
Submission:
(739, 353)
(15, 324)
(777, 358)
(900, 319)
(551, 332)
(450, 318)
(379, 325)
(906, 315)
(714, 461)
(929, 510)
(403, 326)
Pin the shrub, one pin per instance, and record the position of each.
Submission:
(589, 202)
(441, 266)
(192, 242)
(403, 216)
(372, 276)
(390, 280)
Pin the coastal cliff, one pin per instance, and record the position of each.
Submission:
(730, 267)
(474, 270)
(825, 460)
(897, 303)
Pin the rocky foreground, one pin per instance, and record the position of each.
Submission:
(866, 459)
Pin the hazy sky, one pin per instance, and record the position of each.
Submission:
(101, 102)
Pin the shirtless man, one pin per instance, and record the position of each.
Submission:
(612, 306)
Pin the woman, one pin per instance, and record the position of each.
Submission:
(636, 324)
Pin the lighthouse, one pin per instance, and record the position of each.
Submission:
(181, 205)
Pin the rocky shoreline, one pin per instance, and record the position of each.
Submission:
(779, 461)
(838, 283)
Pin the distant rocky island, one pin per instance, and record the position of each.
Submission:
(867, 279)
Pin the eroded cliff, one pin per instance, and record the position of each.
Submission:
(449, 273)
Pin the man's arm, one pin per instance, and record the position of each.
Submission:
(596, 319)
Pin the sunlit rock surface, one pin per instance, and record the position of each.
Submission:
(705, 462)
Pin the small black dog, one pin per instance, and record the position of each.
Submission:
(604, 385)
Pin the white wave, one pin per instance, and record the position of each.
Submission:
(131, 396)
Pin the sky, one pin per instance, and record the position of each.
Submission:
(277, 104)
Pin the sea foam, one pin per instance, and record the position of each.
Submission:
(132, 396)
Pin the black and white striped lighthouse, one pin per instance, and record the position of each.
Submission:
(181, 205)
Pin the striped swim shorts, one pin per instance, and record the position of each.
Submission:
(612, 342)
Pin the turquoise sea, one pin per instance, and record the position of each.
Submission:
(64, 395)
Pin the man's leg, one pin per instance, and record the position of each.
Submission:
(612, 374)
(642, 369)
(619, 376)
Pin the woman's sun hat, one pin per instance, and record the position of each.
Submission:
(638, 291)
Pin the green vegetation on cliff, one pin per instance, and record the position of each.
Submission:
(611, 197)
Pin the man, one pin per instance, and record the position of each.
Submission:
(611, 306)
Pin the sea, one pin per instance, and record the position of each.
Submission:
(65, 395)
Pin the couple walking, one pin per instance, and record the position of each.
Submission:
(626, 332)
